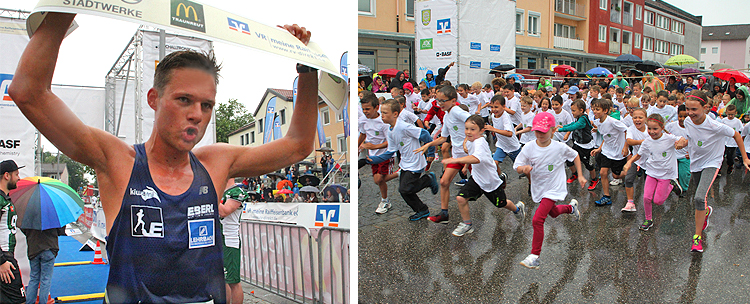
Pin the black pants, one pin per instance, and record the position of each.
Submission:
(13, 292)
(585, 156)
(729, 156)
(410, 183)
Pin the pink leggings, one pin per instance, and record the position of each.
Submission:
(655, 191)
(546, 207)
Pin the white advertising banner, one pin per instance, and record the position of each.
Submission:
(436, 23)
(486, 38)
(311, 216)
(173, 43)
(86, 102)
(271, 212)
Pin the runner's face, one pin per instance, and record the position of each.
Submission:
(472, 131)
(370, 111)
(183, 109)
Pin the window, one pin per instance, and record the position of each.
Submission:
(627, 13)
(678, 27)
(637, 41)
(532, 63)
(649, 18)
(603, 4)
(614, 11)
(410, 9)
(638, 12)
(575, 64)
(648, 44)
(260, 125)
(676, 49)
(282, 116)
(715, 50)
(703, 65)
(703, 50)
(519, 22)
(662, 22)
(626, 37)
(328, 142)
(325, 116)
(602, 33)
(342, 142)
(340, 116)
(252, 137)
(242, 140)
(614, 35)
(534, 23)
(366, 7)
(566, 31)
(661, 46)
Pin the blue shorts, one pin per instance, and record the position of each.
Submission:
(500, 155)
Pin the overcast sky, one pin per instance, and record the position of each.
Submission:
(717, 12)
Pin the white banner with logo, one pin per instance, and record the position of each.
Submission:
(198, 20)
(436, 42)
(150, 48)
(17, 134)
(308, 215)
(486, 38)
(99, 225)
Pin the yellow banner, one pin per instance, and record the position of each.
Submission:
(194, 19)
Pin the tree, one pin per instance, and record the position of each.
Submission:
(231, 116)
(75, 169)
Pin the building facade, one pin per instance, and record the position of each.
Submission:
(669, 31)
(727, 44)
(615, 28)
(386, 34)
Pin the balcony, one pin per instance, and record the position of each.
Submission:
(568, 43)
(569, 9)
(627, 48)
(614, 47)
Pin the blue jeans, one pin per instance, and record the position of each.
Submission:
(41, 273)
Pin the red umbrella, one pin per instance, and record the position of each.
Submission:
(285, 191)
(389, 72)
(667, 72)
(564, 69)
(725, 74)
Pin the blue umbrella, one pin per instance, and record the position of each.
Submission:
(44, 203)
(518, 77)
(628, 59)
(598, 71)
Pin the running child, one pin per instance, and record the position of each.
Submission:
(677, 128)
(484, 179)
(544, 106)
(731, 146)
(372, 133)
(636, 134)
(561, 117)
(543, 160)
(631, 105)
(658, 156)
(467, 99)
(405, 138)
(706, 139)
(527, 117)
(583, 140)
(609, 155)
(453, 127)
(662, 108)
(512, 104)
(506, 141)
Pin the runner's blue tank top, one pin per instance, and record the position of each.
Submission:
(164, 248)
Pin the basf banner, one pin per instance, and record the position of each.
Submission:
(17, 134)
(486, 38)
(436, 25)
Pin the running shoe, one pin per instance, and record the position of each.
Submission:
(647, 224)
(603, 201)
(383, 206)
(461, 183)
(697, 244)
(575, 211)
(441, 218)
(594, 183)
(676, 188)
(709, 210)
(521, 213)
(572, 179)
(419, 215)
(629, 207)
(615, 182)
(463, 229)
(531, 261)
(434, 185)
(504, 178)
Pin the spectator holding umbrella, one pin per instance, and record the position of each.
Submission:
(398, 81)
(730, 87)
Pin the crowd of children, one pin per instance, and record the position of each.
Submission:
(678, 140)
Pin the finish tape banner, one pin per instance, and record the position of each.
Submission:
(199, 20)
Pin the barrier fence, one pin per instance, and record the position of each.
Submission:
(287, 260)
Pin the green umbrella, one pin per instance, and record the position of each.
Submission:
(681, 59)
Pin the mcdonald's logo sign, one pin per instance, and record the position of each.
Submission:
(188, 15)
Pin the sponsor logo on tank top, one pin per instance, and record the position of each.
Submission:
(200, 211)
(146, 194)
(146, 221)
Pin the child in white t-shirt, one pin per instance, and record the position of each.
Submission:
(507, 143)
(636, 134)
(731, 146)
(609, 155)
(561, 118)
(544, 160)
(527, 117)
(484, 179)
(657, 156)
(706, 139)
(512, 104)
(372, 136)
(631, 105)
(662, 108)
(677, 128)
(467, 99)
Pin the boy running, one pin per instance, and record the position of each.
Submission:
(372, 136)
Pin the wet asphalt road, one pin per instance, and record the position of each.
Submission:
(604, 258)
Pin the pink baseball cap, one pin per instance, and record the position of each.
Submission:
(409, 87)
(543, 122)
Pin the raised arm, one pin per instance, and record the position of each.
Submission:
(32, 93)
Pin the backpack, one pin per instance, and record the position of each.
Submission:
(583, 136)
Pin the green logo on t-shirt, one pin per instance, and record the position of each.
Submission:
(550, 167)
(664, 154)
(401, 143)
(700, 143)
(666, 118)
(377, 132)
(609, 135)
(455, 128)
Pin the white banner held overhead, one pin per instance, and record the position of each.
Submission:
(172, 43)
(486, 38)
(436, 42)
(17, 134)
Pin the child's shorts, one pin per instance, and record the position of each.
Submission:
(471, 191)
(614, 165)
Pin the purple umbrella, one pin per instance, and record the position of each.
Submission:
(690, 71)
